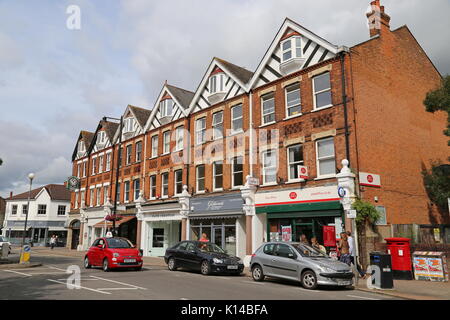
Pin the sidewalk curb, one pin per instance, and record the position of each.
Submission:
(398, 294)
(20, 266)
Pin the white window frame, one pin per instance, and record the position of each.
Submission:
(81, 146)
(321, 91)
(14, 209)
(94, 166)
(75, 205)
(265, 99)
(217, 83)
(293, 48)
(274, 166)
(100, 163)
(58, 212)
(233, 130)
(200, 131)
(175, 182)
(164, 174)
(136, 196)
(216, 175)
(39, 209)
(297, 88)
(138, 152)
(79, 170)
(105, 194)
(166, 142)
(164, 107)
(217, 124)
(102, 137)
(330, 175)
(128, 125)
(23, 207)
(179, 138)
(233, 185)
(197, 178)
(108, 162)
(84, 168)
(126, 191)
(155, 141)
(153, 187)
(128, 159)
(296, 163)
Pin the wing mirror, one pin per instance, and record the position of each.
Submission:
(100, 246)
(292, 256)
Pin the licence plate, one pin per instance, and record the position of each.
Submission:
(232, 267)
(129, 260)
(344, 282)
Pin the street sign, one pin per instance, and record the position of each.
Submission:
(25, 254)
(303, 172)
(351, 214)
(253, 181)
(341, 192)
(369, 179)
(73, 183)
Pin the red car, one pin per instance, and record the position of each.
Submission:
(110, 253)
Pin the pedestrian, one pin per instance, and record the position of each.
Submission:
(304, 240)
(52, 241)
(352, 251)
(204, 237)
(344, 249)
(316, 245)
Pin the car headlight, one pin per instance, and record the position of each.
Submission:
(326, 269)
(215, 260)
(115, 254)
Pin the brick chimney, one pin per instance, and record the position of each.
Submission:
(378, 20)
(10, 195)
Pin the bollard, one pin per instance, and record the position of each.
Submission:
(5, 250)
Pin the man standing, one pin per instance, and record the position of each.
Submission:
(52, 241)
(344, 249)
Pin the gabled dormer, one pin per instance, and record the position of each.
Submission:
(134, 120)
(222, 81)
(83, 144)
(104, 135)
(171, 105)
(294, 48)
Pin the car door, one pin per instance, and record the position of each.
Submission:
(179, 254)
(285, 262)
(100, 253)
(93, 253)
(191, 256)
(266, 258)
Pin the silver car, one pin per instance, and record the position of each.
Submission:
(299, 262)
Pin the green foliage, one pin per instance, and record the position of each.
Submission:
(365, 211)
(439, 100)
(437, 184)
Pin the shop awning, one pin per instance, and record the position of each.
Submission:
(57, 229)
(234, 215)
(109, 224)
(300, 207)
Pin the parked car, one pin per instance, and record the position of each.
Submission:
(204, 256)
(5, 240)
(111, 253)
(299, 262)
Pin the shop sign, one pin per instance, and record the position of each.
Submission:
(286, 233)
(369, 179)
(217, 204)
(305, 195)
(351, 214)
(329, 236)
(303, 172)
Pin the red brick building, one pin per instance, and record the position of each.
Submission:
(240, 142)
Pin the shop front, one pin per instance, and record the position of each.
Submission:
(161, 227)
(38, 232)
(312, 212)
(222, 219)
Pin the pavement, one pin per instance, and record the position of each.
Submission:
(179, 285)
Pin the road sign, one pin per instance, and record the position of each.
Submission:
(351, 214)
(341, 192)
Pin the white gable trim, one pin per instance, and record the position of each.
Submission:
(296, 27)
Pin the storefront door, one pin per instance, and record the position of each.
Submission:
(303, 228)
(217, 236)
(158, 238)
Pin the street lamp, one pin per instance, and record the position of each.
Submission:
(119, 158)
(30, 177)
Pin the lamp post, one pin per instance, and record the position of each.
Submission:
(30, 177)
(119, 159)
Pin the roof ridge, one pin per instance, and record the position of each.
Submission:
(170, 85)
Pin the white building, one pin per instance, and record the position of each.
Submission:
(49, 207)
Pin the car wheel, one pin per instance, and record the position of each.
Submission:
(87, 265)
(205, 268)
(105, 265)
(309, 280)
(257, 273)
(172, 264)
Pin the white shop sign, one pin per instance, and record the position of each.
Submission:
(317, 194)
(369, 179)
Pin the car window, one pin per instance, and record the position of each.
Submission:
(118, 243)
(209, 247)
(283, 250)
(308, 251)
(101, 241)
(96, 242)
(190, 247)
(181, 246)
(268, 249)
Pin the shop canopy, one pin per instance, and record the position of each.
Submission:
(109, 224)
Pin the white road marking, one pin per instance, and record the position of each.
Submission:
(184, 299)
(118, 282)
(117, 289)
(53, 267)
(21, 273)
(254, 282)
(306, 290)
(38, 273)
(65, 283)
(360, 297)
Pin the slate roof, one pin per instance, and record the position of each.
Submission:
(141, 114)
(183, 96)
(240, 73)
(56, 192)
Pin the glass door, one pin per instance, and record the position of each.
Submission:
(218, 237)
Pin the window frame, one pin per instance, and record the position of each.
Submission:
(197, 178)
(152, 185)
(166, 136)
(201, 131)
(108, 161)
(164, 174)
(264, 168)
(217, 124)
(129, 154)
(100, 163)
(164, 107)
(105, 194)
(233, 172)
(64, 210)
(215, 175)
(40, 209)
(176, 183)
(24, 212)
(241, 118)
(154, 139)
(296, 87)
(138, 156)
(268, 96)
(126, 193)
(296, 163)
(293, 48)
(136, 195)
(94, 166)
(321, 91)
(330, 175)
(14, 209)
(98, 194)
(179, 138)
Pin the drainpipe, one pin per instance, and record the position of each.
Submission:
(251, 132)
(342, 52)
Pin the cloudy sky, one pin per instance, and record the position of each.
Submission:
(55, 81)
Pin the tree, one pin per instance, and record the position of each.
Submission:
(439, 100)
(437, 184)
(365, 212)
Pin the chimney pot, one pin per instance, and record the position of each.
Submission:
(11, 195)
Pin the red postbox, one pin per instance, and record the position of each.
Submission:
(400, 251)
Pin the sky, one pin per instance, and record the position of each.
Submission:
(56, 81)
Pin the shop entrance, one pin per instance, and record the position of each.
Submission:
(75, 234)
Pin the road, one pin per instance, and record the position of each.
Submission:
(49, 282)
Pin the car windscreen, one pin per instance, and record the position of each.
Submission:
(307, 251)
(209, 247)
(119, 243)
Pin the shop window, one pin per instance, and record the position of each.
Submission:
(268, 108)
(218, 175)
(237, 172)
(201, 178)
(295, 158)
(153, 187)
(158, 238)
(322, 91)
(269, 162)
(326, 164)
(293, 102)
